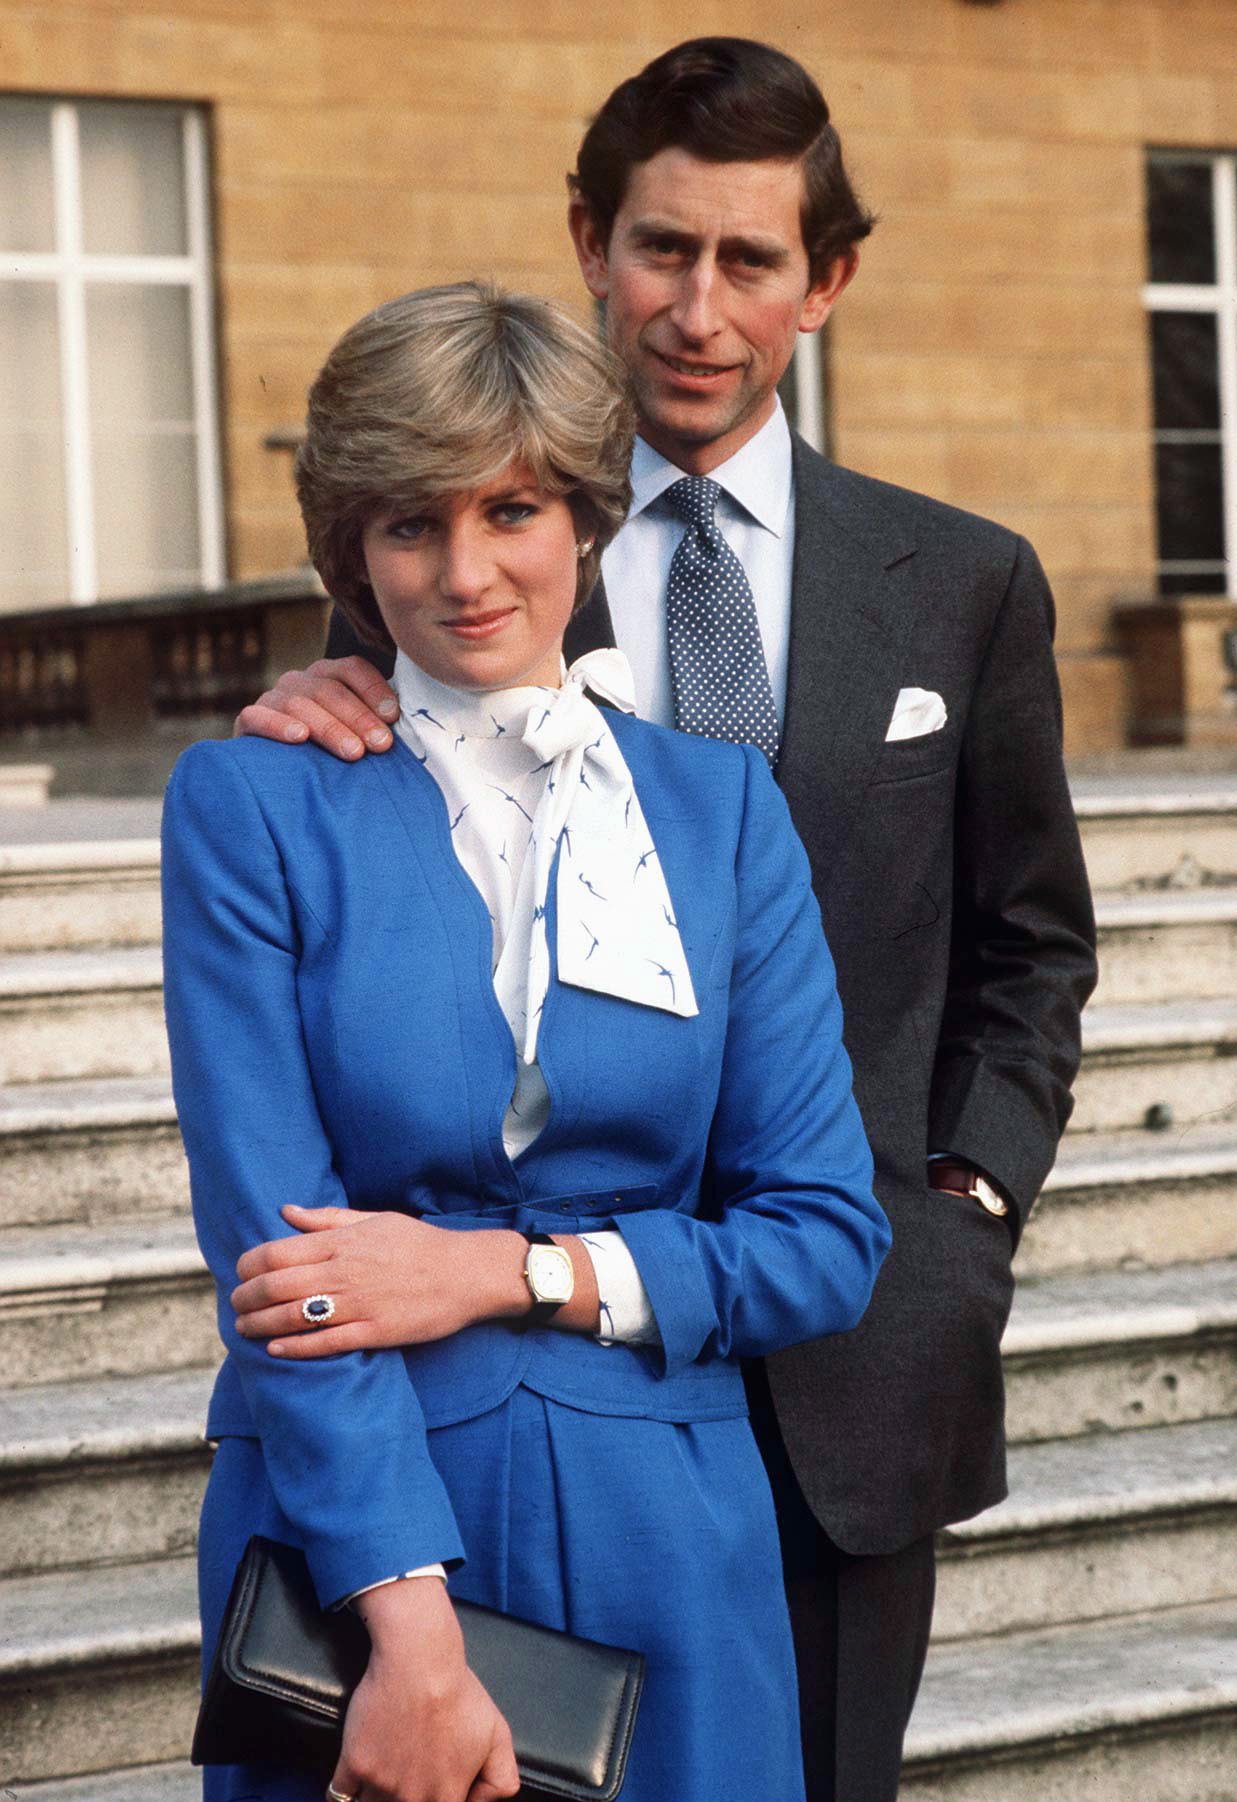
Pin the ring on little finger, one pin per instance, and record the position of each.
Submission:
(317, 1310)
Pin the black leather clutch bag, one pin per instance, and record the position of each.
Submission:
(283, 1672)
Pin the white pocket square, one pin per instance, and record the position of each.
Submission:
(916, 712)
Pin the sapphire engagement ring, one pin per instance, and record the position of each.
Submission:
(316, 1310)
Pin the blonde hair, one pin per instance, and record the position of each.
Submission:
(436, 393)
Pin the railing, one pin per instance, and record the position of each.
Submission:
(42, 680)
(123, 678)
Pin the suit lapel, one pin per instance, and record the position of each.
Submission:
(851, 607)
(590, 627)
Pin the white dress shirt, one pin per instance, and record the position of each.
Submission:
(756, 517)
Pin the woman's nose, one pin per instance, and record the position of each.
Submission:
(465, 567)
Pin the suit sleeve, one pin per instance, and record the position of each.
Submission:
(343, 1437)
(1022, 958)
(793, 1236)
(343, 641)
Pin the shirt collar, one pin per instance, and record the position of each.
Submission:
(757, 478)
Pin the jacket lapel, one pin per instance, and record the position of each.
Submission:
(590, 627)
(852, 603)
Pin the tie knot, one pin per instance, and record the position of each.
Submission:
(694, 498)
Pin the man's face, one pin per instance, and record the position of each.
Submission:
(706, 285)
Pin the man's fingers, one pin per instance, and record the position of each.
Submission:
(337, 699)
(358, 674)
(260, 721)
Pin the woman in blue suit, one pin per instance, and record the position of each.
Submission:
(510, 1072)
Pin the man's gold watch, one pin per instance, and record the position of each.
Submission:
(957, 1178)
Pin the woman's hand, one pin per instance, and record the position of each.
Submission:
(394, 1281)
(420, 1727)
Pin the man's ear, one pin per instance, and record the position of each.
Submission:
(591, 250)
(823, 295)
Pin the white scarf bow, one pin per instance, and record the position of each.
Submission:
(616, 929)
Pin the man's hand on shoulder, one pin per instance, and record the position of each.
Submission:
(340, 703)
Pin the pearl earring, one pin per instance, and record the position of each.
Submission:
(583, 547)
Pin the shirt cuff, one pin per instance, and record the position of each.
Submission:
(422, 1570)
(627, 1316)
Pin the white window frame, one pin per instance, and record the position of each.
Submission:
(71, 268)
(1218, 298)
(808, 370)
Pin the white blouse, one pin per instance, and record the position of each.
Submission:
(476, 745)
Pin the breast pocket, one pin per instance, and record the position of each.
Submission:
(906, 758)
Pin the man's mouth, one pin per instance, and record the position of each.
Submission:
(693, 370)
(479, 625)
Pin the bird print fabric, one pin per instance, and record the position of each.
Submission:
(528, 774)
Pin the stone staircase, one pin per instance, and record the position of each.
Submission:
(1086, 1630)
(1085, 1641)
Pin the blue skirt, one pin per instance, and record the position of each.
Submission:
(638, 1532)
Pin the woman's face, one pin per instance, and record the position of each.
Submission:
(477, 587)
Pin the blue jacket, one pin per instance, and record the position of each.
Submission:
(336, 1040)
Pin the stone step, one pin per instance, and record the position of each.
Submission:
(1150, 830)
(1135, 1197)
(94, 1150)
(78, 1302)
(1114, 1523)
(1167, 945)
(1143, 1058)
(1121, 1349)
(101, 1472)
(53, 897)
(144, 1783)
(74, 1014)
(1144, 1707)
(97, 1668)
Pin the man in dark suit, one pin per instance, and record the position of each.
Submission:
(909, 660)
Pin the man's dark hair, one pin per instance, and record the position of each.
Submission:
(724, 100)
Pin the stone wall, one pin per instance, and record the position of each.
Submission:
(993, 350)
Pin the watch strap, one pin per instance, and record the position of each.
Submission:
(957, 1178)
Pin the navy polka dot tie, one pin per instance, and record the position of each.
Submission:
(717, 662)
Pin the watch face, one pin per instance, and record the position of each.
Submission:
(550, 1274)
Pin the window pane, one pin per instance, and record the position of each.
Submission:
(1180, 228)
(1189, 496)
(140, 368)
(133, 181)
(146, 524)
(33, 539)
(1173, 581)
(27, 219)
(141, 415)
(1186, 370)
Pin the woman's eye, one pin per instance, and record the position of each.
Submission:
(409, 530)
(515, 513)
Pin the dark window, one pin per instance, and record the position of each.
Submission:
(1192, 289)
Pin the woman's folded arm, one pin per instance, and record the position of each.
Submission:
(343, 1437)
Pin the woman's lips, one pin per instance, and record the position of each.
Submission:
(479, 625)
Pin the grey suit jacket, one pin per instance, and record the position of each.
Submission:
(950, 878)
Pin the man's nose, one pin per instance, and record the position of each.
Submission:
(695, 312)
